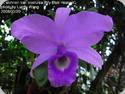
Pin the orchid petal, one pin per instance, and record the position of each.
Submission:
(34, 33)
(42, 58)
(86, 27)
(89, 55)
(61, 16)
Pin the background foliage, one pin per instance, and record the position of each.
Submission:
(16, 61)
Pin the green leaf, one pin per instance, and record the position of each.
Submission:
(83, 64)
(41, 74)
(51, 13)
(8, 22)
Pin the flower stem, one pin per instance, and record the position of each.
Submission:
(31, 87)
(64, 91)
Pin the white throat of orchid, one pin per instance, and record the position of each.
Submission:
(62, 63)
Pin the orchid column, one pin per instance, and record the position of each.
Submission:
(63, 41)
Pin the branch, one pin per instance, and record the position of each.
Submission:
(112, 59)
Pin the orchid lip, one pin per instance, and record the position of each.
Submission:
(62, 69)
(62, 63)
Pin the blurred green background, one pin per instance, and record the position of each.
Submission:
(16, 61)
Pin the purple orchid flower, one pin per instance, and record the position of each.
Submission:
(63, 41)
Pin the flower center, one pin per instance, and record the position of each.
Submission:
(62, 63)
